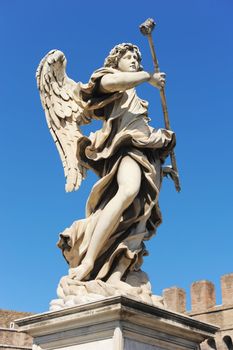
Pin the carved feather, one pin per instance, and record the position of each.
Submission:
(64, 113)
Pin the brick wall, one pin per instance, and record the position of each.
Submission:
(204, 308)
(10, 338)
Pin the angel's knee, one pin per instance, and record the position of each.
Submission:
(128, 193)
(129, 180)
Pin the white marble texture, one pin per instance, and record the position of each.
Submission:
(117, 323)
(127, 154)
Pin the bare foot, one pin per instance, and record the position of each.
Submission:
(80, 272)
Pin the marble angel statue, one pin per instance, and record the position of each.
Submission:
(105, 250)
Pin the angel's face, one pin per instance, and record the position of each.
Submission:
(129, 62)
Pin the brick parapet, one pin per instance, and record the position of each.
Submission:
(204, 308)
(175, 299)
(227, 289)
(10, 337)
(8, 316)
(202, 296)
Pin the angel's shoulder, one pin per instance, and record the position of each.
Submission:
(92, 86)
(98, 73)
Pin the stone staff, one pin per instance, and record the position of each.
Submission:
(146, 29)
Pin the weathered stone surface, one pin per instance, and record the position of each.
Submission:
(227, 289)
(204, 309)
(115, 324)
(8, 316)
(174, 299)
(202, 295)
(10, 337)
(72, 292)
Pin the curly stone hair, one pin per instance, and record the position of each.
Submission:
(118, 51)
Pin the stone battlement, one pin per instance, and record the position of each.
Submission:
(204, 308)
(203, 297)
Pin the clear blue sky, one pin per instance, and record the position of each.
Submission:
(195, 48)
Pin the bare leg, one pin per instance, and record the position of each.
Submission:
(129, 181)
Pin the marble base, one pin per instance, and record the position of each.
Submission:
(117, 323)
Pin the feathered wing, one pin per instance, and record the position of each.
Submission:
(64, 111)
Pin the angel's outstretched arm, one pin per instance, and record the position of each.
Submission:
(121, 81)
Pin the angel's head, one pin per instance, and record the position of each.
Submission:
(126, 57)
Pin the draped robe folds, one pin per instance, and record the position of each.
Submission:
(125, 131)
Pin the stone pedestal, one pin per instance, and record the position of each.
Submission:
(116, 323)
